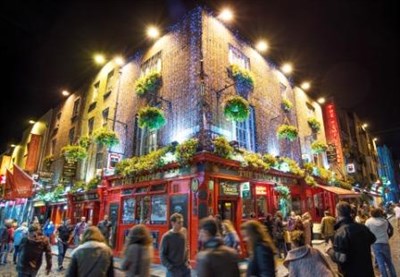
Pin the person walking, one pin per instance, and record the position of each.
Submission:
(261, 249)
(174, 249)
(48, 230)
(64, 237)
(32, 249)
(19, 234)
(278, 234)
(216, 259)
(328, 227)
(378, 225)
(93, 258)
(105, 228)
(302, 255)
(79, 230)
(138, 252)
(308, 228)
(5, 240)
(351, 249)
(397, 214)
(231, 238)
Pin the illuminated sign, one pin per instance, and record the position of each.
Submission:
(332, 131)
(261, 190)
(350, 168)
(229, 189)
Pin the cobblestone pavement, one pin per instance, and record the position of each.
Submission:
(157, 270)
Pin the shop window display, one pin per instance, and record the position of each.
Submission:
(128, 212)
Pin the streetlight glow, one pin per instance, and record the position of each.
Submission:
(119, 60)
(65, 93)
(287, 68)
(365, 125)
(375, 139)
(262, 46)
(306, 85)
(153, 32)
(321, 100)
(99, 59)
(12, 145)
(226, 15)
(32, 121)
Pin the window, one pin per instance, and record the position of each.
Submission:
(282, 88)
(110, 81)
(90, 125)
(142, 214)
(310, 110)
(128, 211)
(261, 206)
(146, 140)
(95, 91)
(99, 161)
(75, 111)
(71, 135)
(53, 146)
(237, 57)
(245, 132)
(151, 65)
(105, 116)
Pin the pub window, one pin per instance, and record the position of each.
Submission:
(128, 211)
(71, 135)
(158, 209)
(245, 132)
(75, 110)
(142, 214)
(99, 161)
(151, 65)
(105, 116)
(90, 125)
(261, 206)
(283, 88)
(159, 188)
(146, 140)
(141, 190)
(236, 56)
(310, 110)
(110, 81)
(95, 91)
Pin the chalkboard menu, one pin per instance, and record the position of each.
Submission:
(113, 215)
(128, 211)
(179, 204)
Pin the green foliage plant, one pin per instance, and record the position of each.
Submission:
(242, 76)
(288, 132)
(286, 105)
(186, 150)
(314, 124)
(74, 152)
(222, 147)
(150, 82)
(236, 109)
(318, 147)
(105, 137)
(152, 118)
(84, 142)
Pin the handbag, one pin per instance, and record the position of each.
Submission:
(390, 229)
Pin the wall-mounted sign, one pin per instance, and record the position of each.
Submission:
(85, 197)
(351, 168)
(332, 130)
(229, 189)
(195, 184)
(261, 190)
(245, 190)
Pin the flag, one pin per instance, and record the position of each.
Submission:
(8, 188)
(22, 182)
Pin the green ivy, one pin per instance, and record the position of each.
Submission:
(318, 147)
(288, 132)
(84, 142)
(242, 76)
(79, 186)
(105, 137)
(152, 118)
(150, 82)
(236, 108)
(314, 124)
(74, 152)
(286, 105)
(93, 183)
(222, 147)
(186, 150)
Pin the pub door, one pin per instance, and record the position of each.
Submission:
(227, 210)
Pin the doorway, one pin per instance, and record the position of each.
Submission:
(227, 210)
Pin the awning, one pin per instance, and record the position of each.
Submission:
(342, 193)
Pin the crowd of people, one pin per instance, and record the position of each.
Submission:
(349, 239)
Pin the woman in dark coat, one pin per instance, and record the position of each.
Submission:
(261, 249)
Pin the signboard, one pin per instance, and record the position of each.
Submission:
(33, 153)
(332, 130)
(229, 189)
(351, 168)
(69, 168)
(261, 190)
(159, 209)
(245, 190)
(112, 160)
(85, 197)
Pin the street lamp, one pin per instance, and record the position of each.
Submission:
(65, 93)
(153, 32)
(287, 68)
(119, 60)
(226, 15)
(262, 46)
(364, 126)
(99, 59)
(32, 121)
(321, 100)
(306, 85)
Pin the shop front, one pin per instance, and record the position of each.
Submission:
(85, 204)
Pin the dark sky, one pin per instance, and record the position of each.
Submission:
(348, 48)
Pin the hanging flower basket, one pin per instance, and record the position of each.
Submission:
(186, 150)
(314, 124)
(236, 109)
(74, 152)
(84, 142)
(244, 79)
(105, 137)
(152, 118)
(310, 180)
(283, 191)
(318, 147)
(150, 82)
(48, 160)
(286, 105)
(288, 132)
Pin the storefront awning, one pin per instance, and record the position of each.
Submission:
(342, 193)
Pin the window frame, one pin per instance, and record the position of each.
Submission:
(249, 130)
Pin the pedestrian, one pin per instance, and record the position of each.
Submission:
(48, 230)
(105, 228)
(291, 221)
(269, 224)
(32, 249)
(80, 227)
(19, 234)
(174, 250)
(231, 238)
(261, 249)
(351, 249)
(397, 214)
(5, 238)
(138, 252)
(361, 218)
(379, 226)
(64, 237)
(301, 256)
(216, 259)
(328, 227)
(278, 231)
(308, 228)
(93, 258)
(218, 219)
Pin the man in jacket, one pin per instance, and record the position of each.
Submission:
(352, 244)
(216, 259)
(32, 249)
(79, 229)
(64, 233)
(378, 225)
(328, 227)
(105, 228)
(19, 234)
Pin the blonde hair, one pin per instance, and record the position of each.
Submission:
(228, 226)
(93, 233)
(257, 234)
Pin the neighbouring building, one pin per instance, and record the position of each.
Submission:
(387, 186)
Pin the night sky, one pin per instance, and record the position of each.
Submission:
(348, 49)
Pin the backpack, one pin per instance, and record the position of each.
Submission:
(390, 229)
(4, 235)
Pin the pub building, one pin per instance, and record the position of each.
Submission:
(210, 186)
(85, 204)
